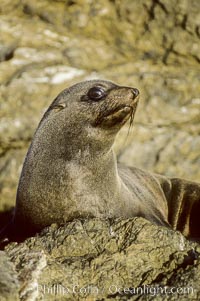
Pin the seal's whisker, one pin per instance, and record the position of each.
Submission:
(130, 123)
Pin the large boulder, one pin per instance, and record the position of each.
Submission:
(105, 260)
(152, 45)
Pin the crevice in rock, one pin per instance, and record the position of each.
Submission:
(18, 73)
(188, 260)
(197, 31)
(14, 145)
(184, 22)
(151, 10)
(196, 58)
(162, 6)
(168, 51)
(7, 52)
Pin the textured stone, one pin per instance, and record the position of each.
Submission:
(107, 260)
(9, 284)
(46, 46)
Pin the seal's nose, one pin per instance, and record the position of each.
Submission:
(135, 92)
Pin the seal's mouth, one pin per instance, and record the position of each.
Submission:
(118, 116)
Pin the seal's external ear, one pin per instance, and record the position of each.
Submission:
(59, 107)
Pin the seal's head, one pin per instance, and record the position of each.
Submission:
(90, 113)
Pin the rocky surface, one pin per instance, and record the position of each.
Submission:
(9, 284)
(106, 260)
(45, 46)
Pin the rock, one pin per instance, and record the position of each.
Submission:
(48, 46)
(9, 284)
(111, 260)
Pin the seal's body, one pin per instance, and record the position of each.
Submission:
(70, 170)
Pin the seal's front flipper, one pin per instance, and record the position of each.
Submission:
(183, 198)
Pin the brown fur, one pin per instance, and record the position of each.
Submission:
(70, 170)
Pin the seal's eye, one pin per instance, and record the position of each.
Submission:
(96, 93)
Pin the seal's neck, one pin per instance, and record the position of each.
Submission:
(95, 172)
(80, 168)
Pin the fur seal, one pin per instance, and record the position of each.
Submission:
(71, 171)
